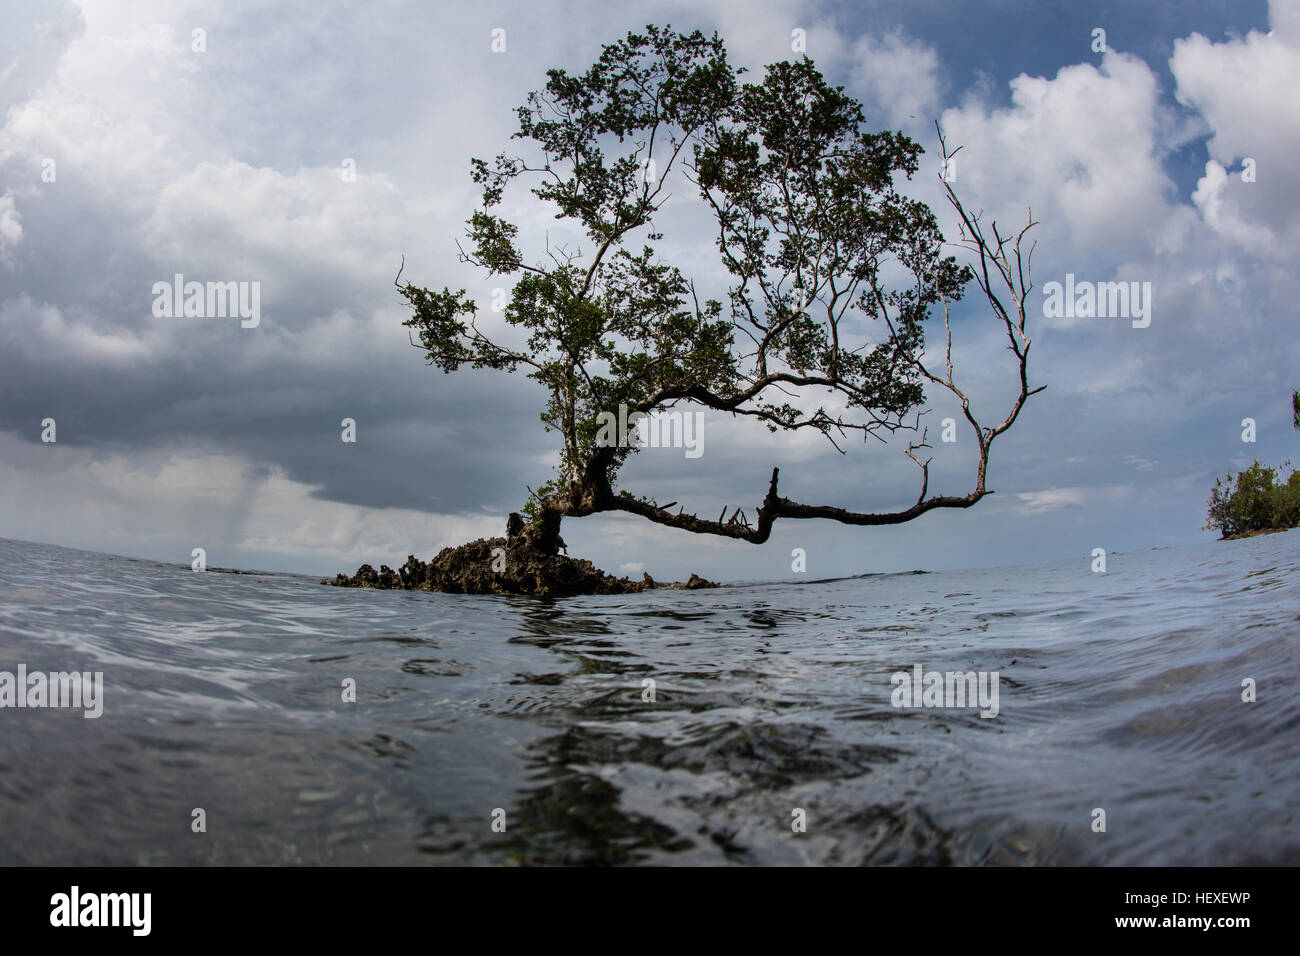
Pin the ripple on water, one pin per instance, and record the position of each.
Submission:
(669, 727)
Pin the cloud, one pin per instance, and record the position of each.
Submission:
(1141, 464)
(900, 78)
(1080, 148)
(1242, 87)
(41, 328)
(11, 227)
(245, 222)
(169, 502)
(1054, 499)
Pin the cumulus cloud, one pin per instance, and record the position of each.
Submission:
(1081, 148)
(899, 78)
(1243, 88)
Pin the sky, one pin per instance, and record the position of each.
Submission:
(310, 147)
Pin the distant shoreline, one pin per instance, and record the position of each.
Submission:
(1254, 533)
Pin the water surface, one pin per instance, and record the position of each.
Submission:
(1120, 691)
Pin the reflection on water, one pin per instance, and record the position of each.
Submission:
(677, 727)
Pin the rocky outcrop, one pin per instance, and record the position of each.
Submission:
(525, 561)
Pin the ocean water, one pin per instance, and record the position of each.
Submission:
(506, 731)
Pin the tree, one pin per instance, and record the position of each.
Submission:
(809, 222)
(1258, 499)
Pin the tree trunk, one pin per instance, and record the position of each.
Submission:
(548, 539)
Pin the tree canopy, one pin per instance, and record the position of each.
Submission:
(811, 231)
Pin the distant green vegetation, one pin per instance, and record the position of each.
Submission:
(1260, 499)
